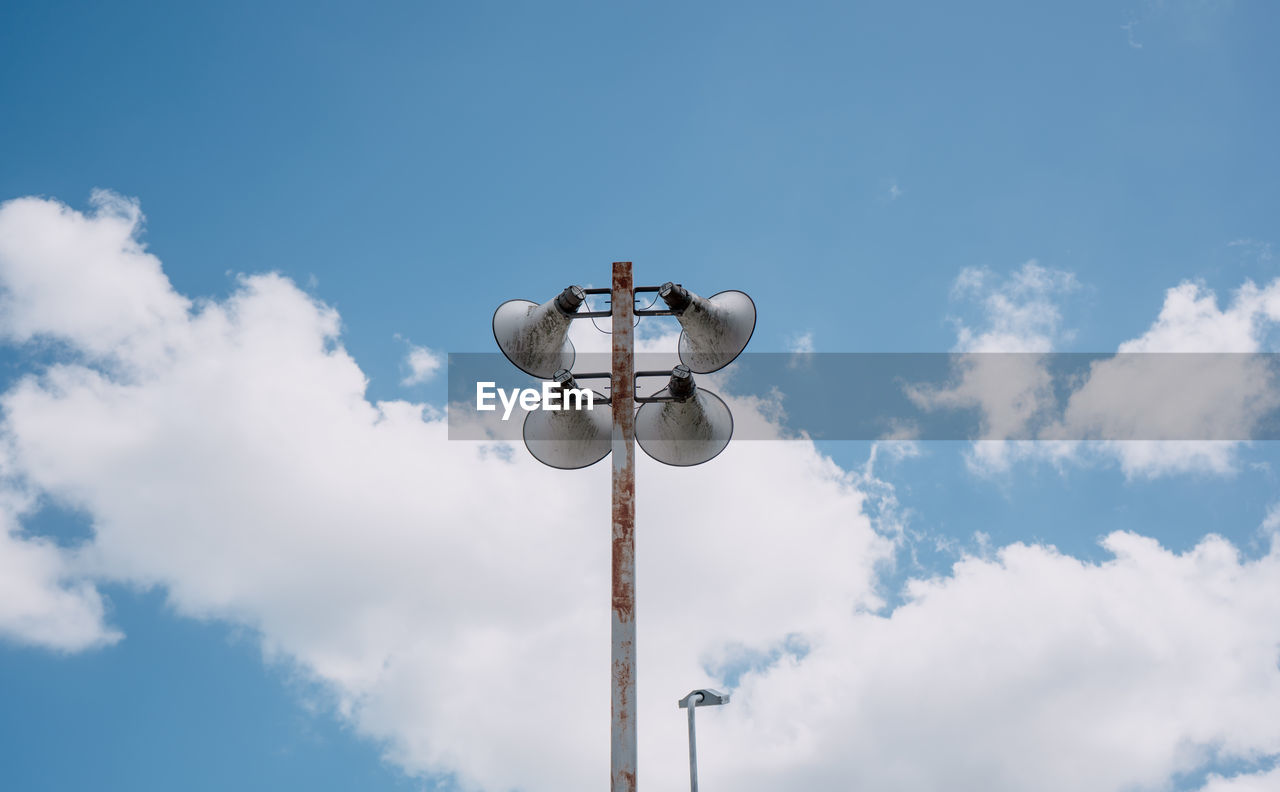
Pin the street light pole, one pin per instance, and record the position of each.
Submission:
(694, 700)
(622, 750)
(698, 698)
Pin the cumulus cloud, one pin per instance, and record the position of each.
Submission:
(1019, 314)
(44, 600)
(1147, 390)
(420, 580)
(1191, 321)
(1162, 384)
(86, 280)
(1266, 781)
(452, 596)
(1027, 670)
(423, 364)
(1271, 524)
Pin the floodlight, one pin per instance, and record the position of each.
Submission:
(716, 328)
(692, 428)
(536, 337)
(573, 436)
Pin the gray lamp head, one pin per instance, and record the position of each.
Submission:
(572, 437)
(536, 337)
(703, 697)
(716, 328)
(689, 431)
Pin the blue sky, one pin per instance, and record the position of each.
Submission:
(411, 166)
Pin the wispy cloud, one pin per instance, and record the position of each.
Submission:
(1128, 31)
(1184, 21)
(801, 343)
(1257, 248)
(801, 348)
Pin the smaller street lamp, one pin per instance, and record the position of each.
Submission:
(698, 698)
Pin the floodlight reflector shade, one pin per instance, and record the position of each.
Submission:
(570, 438)
(684, 433)
(534, 337)
(716, 330)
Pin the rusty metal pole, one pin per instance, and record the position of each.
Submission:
(622, 751)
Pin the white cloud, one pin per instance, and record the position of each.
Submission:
(1266, 781)
(1019, 314)
(1153, 395)
(1030, 670)
(118, 305)
(1271, 524)
(1191, 321)
(801, 343)
(1178, 21)
(423, 364)
(421, 580)
(454, 601)
(1257, 249)
(44, 600)
(1133, 395)
(801, 348)
(1128, 29)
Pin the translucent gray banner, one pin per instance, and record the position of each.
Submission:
(928, 396)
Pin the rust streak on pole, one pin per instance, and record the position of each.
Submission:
(622, 753)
